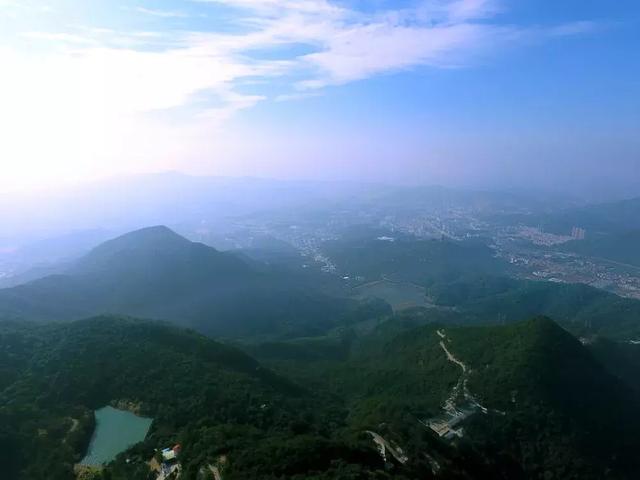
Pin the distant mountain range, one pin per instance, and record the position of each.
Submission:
(582, 309)
(171, 198)
(156, 273)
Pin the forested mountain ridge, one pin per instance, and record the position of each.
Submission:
(582, 309)
(621, 359)
(193, 387)
(322, 378)
(155, 273)
(551, 410)
(157, 245)
(569, 414)
(466, 279)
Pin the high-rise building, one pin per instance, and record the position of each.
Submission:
(578, 233)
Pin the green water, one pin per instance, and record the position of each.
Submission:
(116, 430)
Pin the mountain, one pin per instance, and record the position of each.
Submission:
(211, 398)
(622, 359)
(158, 251)
(569, 413)
(522, 401)
(582, 309)
(156, 273)
(170, 198)
(46, 256)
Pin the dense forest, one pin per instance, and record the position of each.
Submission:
(308, 381)
(305, 407)
(155, 273)
(212, 398)
(582, 309)
(465, 277)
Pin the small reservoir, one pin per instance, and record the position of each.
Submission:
(116, 430)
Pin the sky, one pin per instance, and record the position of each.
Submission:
(483, 93)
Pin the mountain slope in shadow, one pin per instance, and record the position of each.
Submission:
(156, 273)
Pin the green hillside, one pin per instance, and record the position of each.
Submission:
(409, 259)
(319, 379)
(554, 411)
(582, 309)
(571, 417)
(622, 359)
(211, 398)
(551, 409)
(155, 273)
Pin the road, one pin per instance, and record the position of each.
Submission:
(216, 472)
(450, 404)
(385, 447)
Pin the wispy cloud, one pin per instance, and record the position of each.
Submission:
(60, 37)
(111, 90)
(465, 10)
(276, 6)
(296, 96)
(346, 45)
(159, 13)
(572, 28)
(14, 7)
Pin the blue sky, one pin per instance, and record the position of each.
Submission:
(490, 93)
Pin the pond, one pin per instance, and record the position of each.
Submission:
(116, 430)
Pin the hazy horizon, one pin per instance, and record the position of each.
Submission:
(489, 94)
(319, 239)
(594, 196)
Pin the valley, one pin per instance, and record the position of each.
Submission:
(319, 240)
(413, 356)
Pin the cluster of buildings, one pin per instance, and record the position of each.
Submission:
(578, 233)
(448, 426)
(170, 466)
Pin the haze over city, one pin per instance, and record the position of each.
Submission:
(319, 239)
(477, 93)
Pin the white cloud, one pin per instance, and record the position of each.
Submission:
(276, 6)
(347, 45)
(25, 6)
(105, 96)
(465, 10)
(160, 13)
(572, 28)
(60, 37)
(367, 50)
